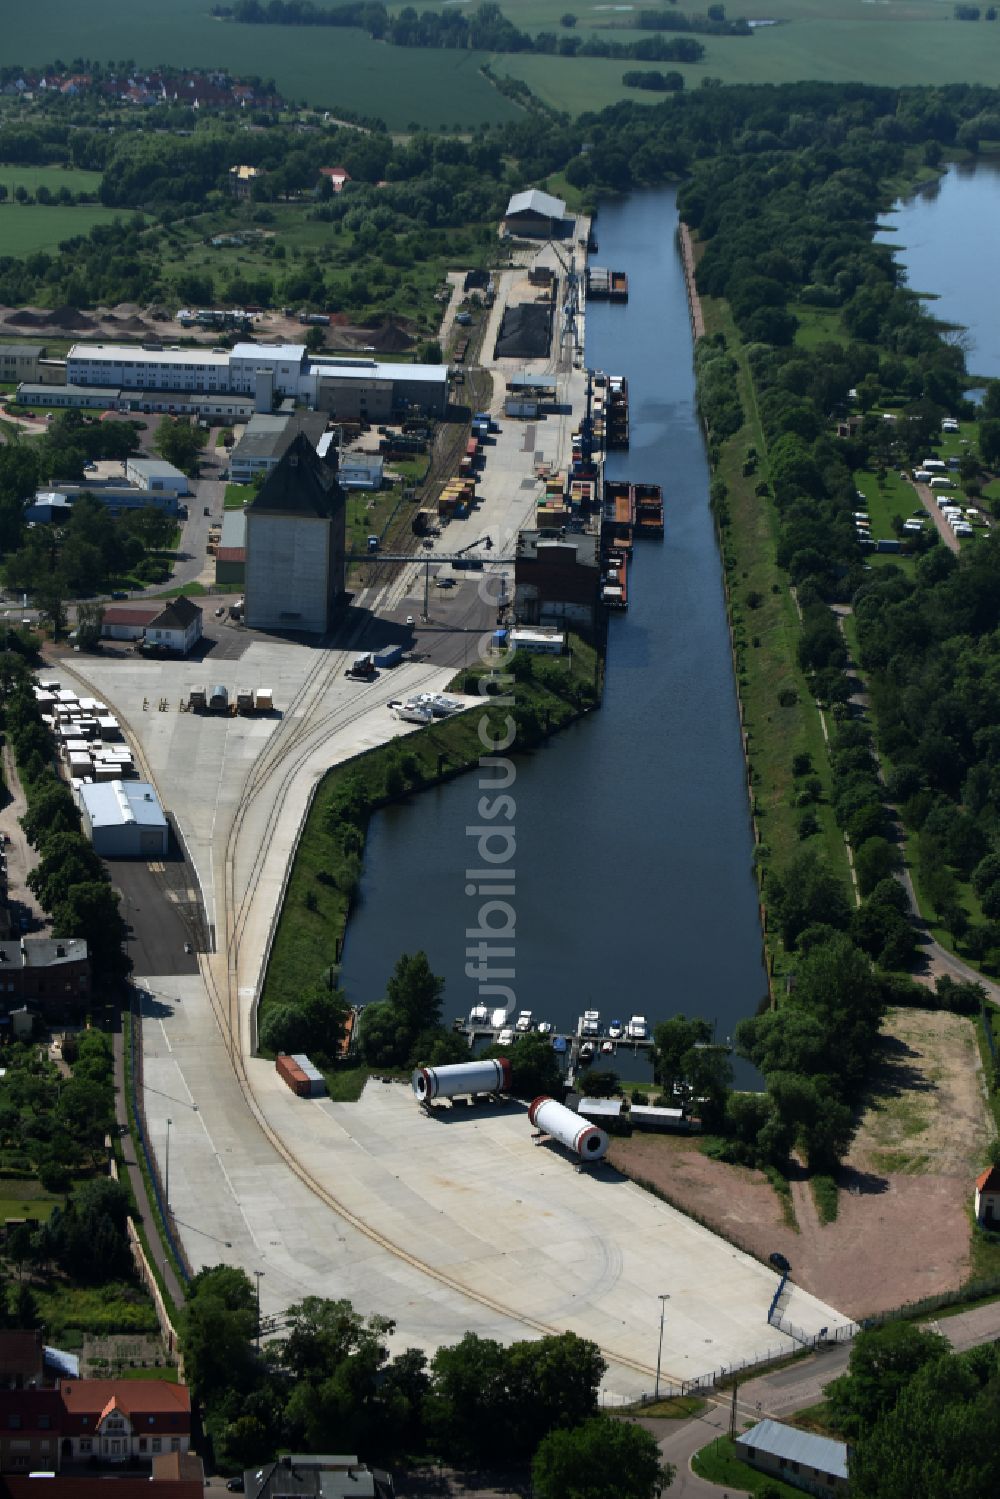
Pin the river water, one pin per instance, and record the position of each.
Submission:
(946, 237)
(634, 888)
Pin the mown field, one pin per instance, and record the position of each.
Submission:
(32, 178)
(26, 227)
(319, 65)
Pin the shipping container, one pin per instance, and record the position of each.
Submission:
(389, 655)
(244, 700)
(292, 1075)
(218, 701)
(315, 1079)
(263, 700)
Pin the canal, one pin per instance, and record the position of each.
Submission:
(945, 236)
(634, 887)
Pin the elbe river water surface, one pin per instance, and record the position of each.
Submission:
(634, 887)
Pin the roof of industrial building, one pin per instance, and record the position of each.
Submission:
(136, 354)
(28, 390)
(374, 369)
(315, 1476)
(121, 804)
(22, 351)
(234, 529)
(530, 382)
(535, 201)
(155, 468)
(805, 1447)
(302, 483)
(268, 437)
(293, 353)
(42, 952)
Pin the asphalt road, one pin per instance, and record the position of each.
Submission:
(162, 918)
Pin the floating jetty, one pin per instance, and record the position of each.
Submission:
(606, 286)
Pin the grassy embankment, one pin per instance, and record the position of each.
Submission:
(323, 879)
(780, 715)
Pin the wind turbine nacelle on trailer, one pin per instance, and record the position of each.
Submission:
(492, 1076)
(584, 1139)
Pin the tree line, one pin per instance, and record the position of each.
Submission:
(330, 1384)
(921, 1420)
(486, 29)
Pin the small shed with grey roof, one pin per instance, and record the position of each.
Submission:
(816, 1464)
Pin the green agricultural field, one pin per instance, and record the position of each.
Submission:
(853, 42)
(53, 178)
(324, 66)
(26, 227)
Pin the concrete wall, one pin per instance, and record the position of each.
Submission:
(289, 577)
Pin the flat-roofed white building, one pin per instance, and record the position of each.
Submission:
(156, 475)
(144, 368)
(287, 362)
(124, 820)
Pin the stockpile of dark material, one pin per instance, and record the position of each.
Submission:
(391, 339)
(59, 317)
(526, 332)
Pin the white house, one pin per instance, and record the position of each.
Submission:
(988, 1198)
(176, 628)
(128, 623)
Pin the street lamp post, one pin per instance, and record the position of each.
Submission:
(166, 1174)
(257, 1276)
(663, 1299)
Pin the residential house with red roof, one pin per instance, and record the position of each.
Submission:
(115, 1421)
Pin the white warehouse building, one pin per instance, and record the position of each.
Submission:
(156, 475)
(348, 389)
(124, 820)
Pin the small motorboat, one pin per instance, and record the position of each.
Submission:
(413, 713)
(607, 1047)
(559, 1044)
(544, 1027)
(615, 1030)
(587, 1051)
(638, 1030)
(523, 1021)
(479, 1015)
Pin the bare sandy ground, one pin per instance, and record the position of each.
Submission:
(902, 1230)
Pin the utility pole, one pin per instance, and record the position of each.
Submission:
(732, 1413)
(663, 1299)
(166, 1177)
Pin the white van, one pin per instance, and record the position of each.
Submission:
(921, 475)
(940, 482)
(934, 465)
